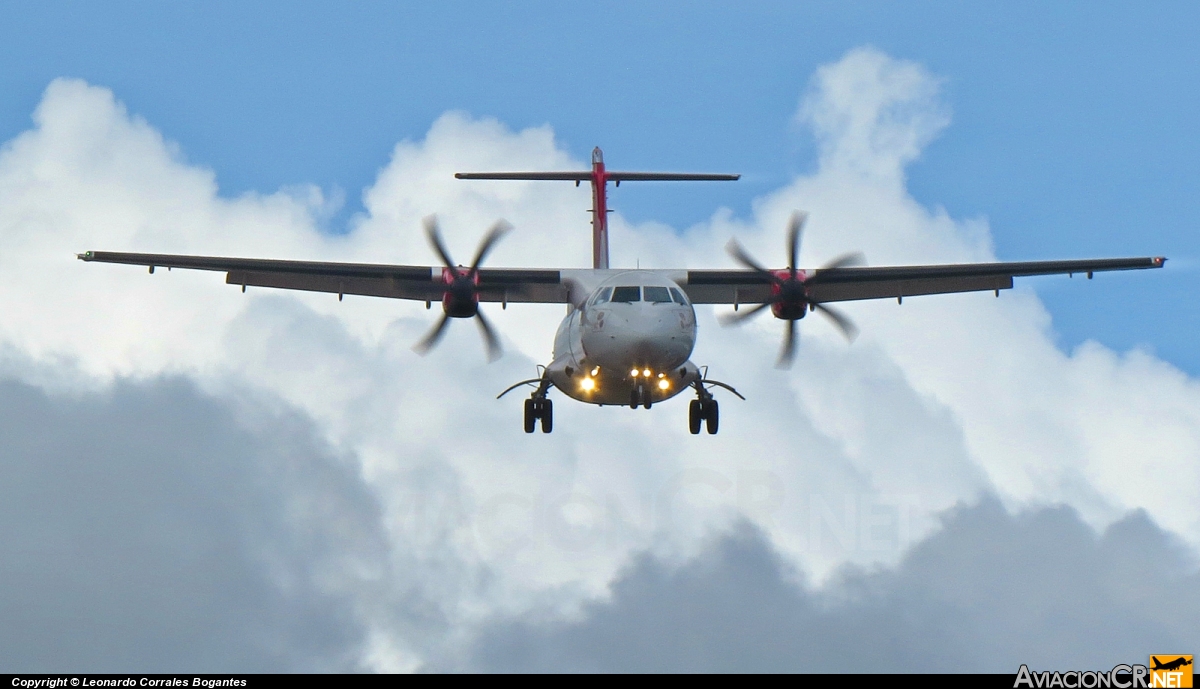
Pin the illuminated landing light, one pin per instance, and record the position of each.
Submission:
(587, 384)
(634, 373)
(664, 384)
(595, 371)
(646, 373)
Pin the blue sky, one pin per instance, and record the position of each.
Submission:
(280, 466)
(1073, 123)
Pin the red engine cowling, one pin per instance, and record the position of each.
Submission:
(789, 296)
(461, 298)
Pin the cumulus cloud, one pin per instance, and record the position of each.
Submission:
(847, 459)
(153, 528)
(1047, 591)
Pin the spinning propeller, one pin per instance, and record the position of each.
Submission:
(461, 296)
(789, 295)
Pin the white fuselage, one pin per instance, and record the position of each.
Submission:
(632, 336)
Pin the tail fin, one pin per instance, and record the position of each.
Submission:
(599, 177)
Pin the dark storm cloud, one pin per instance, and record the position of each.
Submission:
(988, 592)
(150, 528)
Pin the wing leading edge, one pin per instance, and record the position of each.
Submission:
(850, 284)
(519, 285)
(419, 283)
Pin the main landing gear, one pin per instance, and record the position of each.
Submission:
(539, 408)
(703, 411)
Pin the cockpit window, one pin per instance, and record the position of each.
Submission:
(627, 294)
(602, 296)
(678, 296)
(658, 295)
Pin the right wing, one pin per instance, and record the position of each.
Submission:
(419, 283)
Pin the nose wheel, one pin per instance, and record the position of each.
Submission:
(639, 396)
(539, 409)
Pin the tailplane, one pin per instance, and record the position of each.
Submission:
(600, 177)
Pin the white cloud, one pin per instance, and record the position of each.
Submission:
(940, 399)
(1048, 592)
(151, 528)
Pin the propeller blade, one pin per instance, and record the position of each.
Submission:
(435, 240)
(497, 231)
(840, 320)
(795, 227)
(432, 337)
(847, 260)
(737, 317)
(489, 337)
(789, 347)
(734, 249)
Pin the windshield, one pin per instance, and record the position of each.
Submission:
(678, 296)
(657, 295)
(627, 294)
(602, 296)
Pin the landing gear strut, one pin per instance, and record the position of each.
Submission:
(704, 410)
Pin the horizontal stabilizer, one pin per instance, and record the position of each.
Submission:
(568, 176)
(670, 177)
(610, 176)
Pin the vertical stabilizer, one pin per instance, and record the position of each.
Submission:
(599, 210)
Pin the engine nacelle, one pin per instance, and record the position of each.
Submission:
(789, 296)
(461, 298)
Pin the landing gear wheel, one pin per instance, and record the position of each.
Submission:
(530, 415)
(712, 417)
(695, 416)
(547, 415)
(646, 398)
(635, 398)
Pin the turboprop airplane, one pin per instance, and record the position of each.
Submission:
(628, 335)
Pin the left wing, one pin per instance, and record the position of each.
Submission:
(419, 283)
(849, 284)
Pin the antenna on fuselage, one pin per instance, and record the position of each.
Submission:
(600, 177)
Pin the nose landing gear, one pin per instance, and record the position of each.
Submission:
(639, 396)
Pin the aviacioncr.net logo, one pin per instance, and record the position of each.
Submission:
(1164, 671)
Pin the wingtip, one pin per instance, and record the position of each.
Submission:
(85, 256)
(1159, 261)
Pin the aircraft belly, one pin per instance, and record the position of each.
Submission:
(615, 387)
